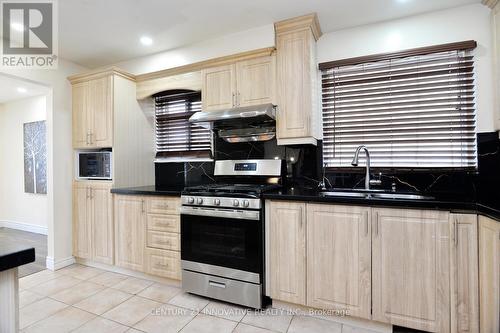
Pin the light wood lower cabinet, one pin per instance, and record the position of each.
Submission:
(130, 231)
(410, 268)
(464, 273)
(93, 221)
(489, 275)
(147, 232)
(287, 251)
(339, 258)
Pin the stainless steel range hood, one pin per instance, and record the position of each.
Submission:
(242, 124)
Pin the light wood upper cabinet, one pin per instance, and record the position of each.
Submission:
(81, 120)
(489, 275)
(244, 83)
(299, 116)
(464, 273)
(82, 229)
(93, 221)
(256, 81)
(130, 229)
(339, 258)
(93, 113)
(287, 251)
(218, 87)
(410, 268)
(100, 108)
(102, 223)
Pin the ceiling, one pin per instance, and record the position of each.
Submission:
(9, 89)
(95, 33)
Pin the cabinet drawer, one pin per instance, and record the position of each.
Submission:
(163, 263)
(163, 205)
(163, 240)
(169, 223)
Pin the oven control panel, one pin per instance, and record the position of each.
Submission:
(245, 167)
(223, 202)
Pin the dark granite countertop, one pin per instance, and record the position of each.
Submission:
(149, 190)
(12, 256)
(452, 204)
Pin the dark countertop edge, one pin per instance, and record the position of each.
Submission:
(146, 190)
(16, 258)
(453, 206)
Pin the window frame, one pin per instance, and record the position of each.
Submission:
(469, 45)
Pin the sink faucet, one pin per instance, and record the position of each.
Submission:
(354, 162)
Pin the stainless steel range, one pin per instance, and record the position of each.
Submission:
(222, 232)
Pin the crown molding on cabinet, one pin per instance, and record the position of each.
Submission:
(98, 73)
(299, 23)
(215, 62)
(490, 3)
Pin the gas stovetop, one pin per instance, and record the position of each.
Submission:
(254, 190)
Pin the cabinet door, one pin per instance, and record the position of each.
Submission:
(102, 224)
(287, 246)
(130, 229)
(100, 110)
(82, 229)
(489, 275)
(256, 81)
(80, 115)
(294, 85)
(464, 273)
(339, 258)
(410, 269)
(218, 88)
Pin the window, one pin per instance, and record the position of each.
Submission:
(176, 137)
(412, 109)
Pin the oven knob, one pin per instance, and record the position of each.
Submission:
(217, 202)
(191, 200)
(236, 202)
(199, 201)
(246, 203)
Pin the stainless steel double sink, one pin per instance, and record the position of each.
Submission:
(373, 194)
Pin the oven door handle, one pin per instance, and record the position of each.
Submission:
(224, 213)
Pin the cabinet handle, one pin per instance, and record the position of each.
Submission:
(142, 206)
(87, 192)
(87, 138)
(91, 137)
(376, 224)
(366, 223)
(233, 100)
(455, 232)
(91, 193)
(238, 99)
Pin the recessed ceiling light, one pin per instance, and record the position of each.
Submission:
(21, 90)
(403, 1)
(17, 26)
(145, 40)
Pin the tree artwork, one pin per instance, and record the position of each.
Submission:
(35, 158)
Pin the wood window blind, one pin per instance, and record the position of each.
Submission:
(176, 137)
(416, 111)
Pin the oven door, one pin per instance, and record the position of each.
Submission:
(222, 237)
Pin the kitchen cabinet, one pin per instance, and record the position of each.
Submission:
(299, 114)
(287, 251)
(218, 88)
(464, 273)
(93, 113)
(244, 83)
(410, 268)
(339, 258)
(130, 231)
(489, 275)
(93, 221)
(147, 232)
(495, 21)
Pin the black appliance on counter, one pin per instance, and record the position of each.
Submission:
(222, 232)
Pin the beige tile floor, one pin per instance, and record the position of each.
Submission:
(86, 299)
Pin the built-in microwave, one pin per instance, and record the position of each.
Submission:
(93, 165)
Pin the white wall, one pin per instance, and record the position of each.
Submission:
(247, 40)
(59, 155)
(453, 25)
(27, 209)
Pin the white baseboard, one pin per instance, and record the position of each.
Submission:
(54, 266)
(25, 227)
